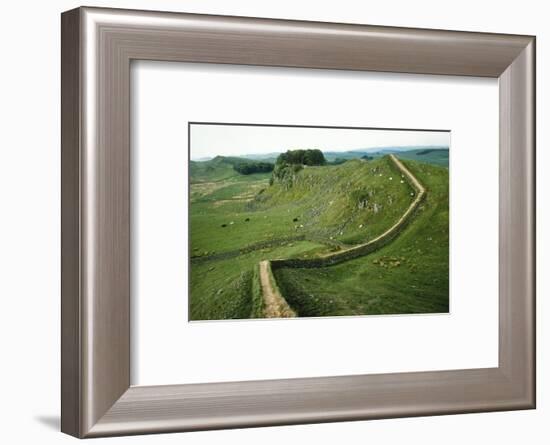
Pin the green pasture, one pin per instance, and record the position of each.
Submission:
(327, 206)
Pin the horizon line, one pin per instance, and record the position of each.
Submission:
(376, 149)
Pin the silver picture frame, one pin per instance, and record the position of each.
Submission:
(97, 48)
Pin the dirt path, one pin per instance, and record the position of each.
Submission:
(275, 306)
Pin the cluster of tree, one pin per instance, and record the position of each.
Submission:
(291, 162)
(249, 167)
(302, 157)
(367, 157)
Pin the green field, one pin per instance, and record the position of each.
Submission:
(238, 220)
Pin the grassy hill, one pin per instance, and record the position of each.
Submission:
(346, 203)
(410, 275)
(216, 169)
(239, 220)
(349, 203)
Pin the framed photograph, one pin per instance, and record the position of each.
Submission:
(270, 222)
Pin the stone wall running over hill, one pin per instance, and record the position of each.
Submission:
(360, 249)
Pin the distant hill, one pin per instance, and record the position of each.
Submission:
(216, 169)
(398, 149)
(331, 156)
(222, 167)
(268, 157)
(434, 156)
(430, 155)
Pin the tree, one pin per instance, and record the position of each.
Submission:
(302, 157)
(288, 164)
(249, 167)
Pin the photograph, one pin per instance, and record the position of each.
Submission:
(290, 221)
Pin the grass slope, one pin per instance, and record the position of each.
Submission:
(226, 289)
(328, 206)
(410, 275)
(348, 203)
(216, 169)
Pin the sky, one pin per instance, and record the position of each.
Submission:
(208, 141)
